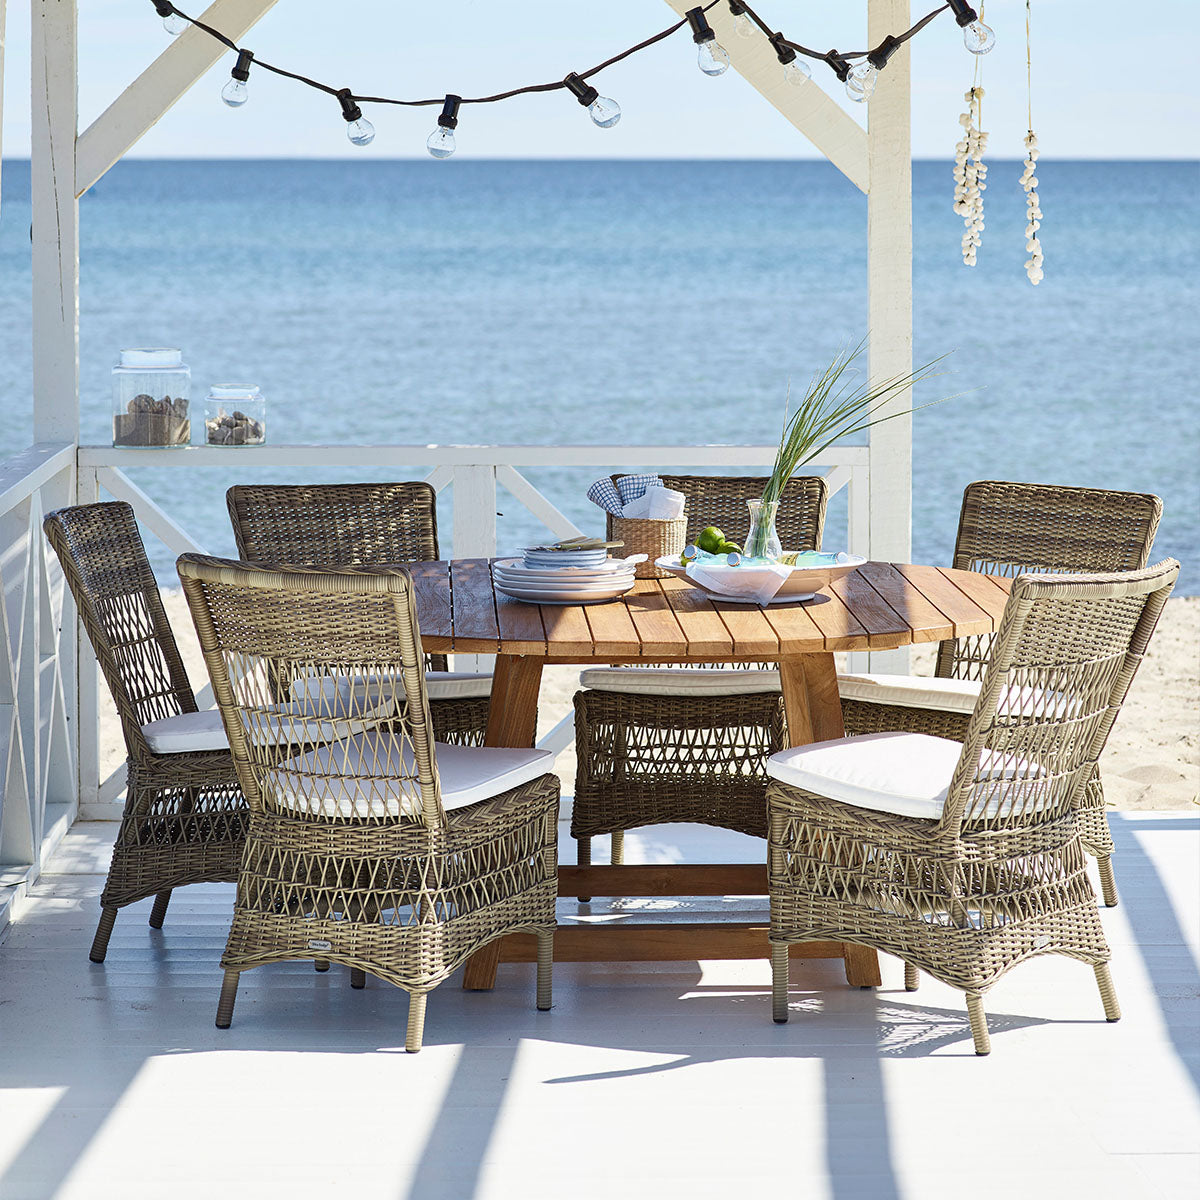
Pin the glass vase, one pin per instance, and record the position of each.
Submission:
(762, 541)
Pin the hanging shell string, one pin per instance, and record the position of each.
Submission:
(1029, 179)
(970, 173)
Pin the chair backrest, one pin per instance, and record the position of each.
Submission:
(720, 500)
(105, 565)
(1009, 528)
(334, 525)
(353, 741)
(1063, 659)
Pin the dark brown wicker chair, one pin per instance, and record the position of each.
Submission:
(369, 844)
(652, 759)
(963, 857)
(353, 524)
(1004, 529)
(185, 817)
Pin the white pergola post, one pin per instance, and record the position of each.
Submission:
(55, 223)
(889, 294)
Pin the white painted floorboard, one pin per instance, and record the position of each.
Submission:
(643, 1081)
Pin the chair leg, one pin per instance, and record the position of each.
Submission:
(583, 857)
(416, 1022)
(779, 982)
(228, 996)
(108, 918)
(1108, 994)
(160, 909)
(358, 978)
(618, 847)
(912, 978)
(321, 964)
(978, 1018)
(545, 968)
(1108, 883)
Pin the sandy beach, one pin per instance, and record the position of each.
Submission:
(1152, 760)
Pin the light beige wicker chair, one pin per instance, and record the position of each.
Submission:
(964, 859)
(185, 817)
(1004, 529)
(687, 744)
(351, 524)
(369, 844)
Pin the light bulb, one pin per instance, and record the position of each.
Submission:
(235, 93)
(440, 142)
(797, 71)
(174, 24)
(860, 83)
(604, 112)
(712, 58)
(743, 26)
(978, 37)
(360, 132)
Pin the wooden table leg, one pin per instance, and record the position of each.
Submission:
(512, 721)
(814, 714)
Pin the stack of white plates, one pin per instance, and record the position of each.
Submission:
(575, 584)
(536, 559)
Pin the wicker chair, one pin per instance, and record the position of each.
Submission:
(688, 744)
(351, 524)
(1004, 529)
(369, 844)
(185, 817)
(964, 859)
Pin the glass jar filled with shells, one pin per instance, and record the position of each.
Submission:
(235, 415)
(150, 399)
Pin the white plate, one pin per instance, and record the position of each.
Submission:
(802, 584)
(565, 585)
(513, 569)
(551, 597)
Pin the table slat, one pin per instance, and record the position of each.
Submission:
(838, 625)
(613, 631)
(927, 621)
(964, 614)
(431, 591)
(520, 625)
(979, 588)
(881, 621)
(701, 624)
(475, 626)
(657, 627)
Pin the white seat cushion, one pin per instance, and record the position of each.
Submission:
(186, 733)
(457, 685)
(911, 691)
(335, 780)
(903, 773)
(680, 681)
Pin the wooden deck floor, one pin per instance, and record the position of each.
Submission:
(644, 1080)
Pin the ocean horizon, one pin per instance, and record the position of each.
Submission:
(632, 302)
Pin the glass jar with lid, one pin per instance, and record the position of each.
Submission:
(235, 415)
(150, 399)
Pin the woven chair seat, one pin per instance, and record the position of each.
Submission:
(911, 691)
(457, 685)
(907, 774)
(309, 785)
(680, 681)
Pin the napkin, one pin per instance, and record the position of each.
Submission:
(755, 582)
(604, 494)
(630, 487)
(657, 503)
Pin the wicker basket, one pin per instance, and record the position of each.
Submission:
(652, 538)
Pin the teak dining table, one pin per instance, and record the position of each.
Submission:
(879, 606)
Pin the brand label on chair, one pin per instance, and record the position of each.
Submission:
(319, 944)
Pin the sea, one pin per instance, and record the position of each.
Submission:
(632, 303)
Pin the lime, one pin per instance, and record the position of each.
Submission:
(728, 548)
(710, 539)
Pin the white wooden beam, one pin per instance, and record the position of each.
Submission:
(55, 223)
(889, 293)
(822, 120)
(139, 107)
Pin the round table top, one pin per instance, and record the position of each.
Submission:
(879, 606)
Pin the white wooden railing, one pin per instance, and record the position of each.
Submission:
(50, 761)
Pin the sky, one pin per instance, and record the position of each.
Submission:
(1105, 83)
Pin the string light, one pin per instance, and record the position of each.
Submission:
(234, 93)
(440, 142)
(711, 57)
(359, 130)
(174, 22)
(977, 37)
(795, 70)
(857, 69)
(604, 112)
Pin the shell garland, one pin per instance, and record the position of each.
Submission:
(1033, 211)
(970, 176)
